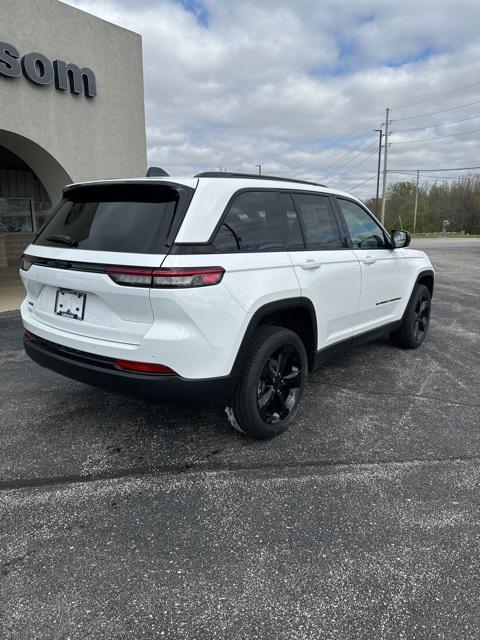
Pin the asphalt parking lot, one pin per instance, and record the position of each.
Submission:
(120, 518)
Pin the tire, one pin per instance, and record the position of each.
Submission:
(271, 384)
(416, 320)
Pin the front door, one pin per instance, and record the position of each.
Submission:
(383, 269)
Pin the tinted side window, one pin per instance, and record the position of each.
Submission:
(259, 221)
(364, 231)
(319, 223)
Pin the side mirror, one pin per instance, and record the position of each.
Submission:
(399, 239)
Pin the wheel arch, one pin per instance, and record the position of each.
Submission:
(297, 314)
(426, 277)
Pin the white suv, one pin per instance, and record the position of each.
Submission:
(221, 287)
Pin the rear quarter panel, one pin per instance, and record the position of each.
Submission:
(251, 280)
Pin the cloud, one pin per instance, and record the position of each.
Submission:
(232, 83)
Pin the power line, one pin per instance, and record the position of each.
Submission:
(441, 95)
(341, 149)
(437, 124)
(366, 128)
(450, 135)
(433, 113)
(357, 155)
(344, 162)
(424, 175)
(345, 152)
(411, 173)
(355, 166)
(446, 177)
(361, 183)
(327, 169)
(432, 170)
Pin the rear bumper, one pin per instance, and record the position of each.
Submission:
(102, 372)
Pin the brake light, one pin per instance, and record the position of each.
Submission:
(25, 262)
(167, 278)
(144, 367)
(131, 276)
(28, 335)
(187, 277)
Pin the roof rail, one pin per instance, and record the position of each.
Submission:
(254, 176)
(156, 172)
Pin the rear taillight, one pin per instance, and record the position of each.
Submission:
(131, 276)
(25, 262)
(168, 278)
(144, 367)
(187, 277)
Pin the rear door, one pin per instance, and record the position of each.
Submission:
(94, 228)
(383, 270)
(328, 271)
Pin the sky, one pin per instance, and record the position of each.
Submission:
(299, 85)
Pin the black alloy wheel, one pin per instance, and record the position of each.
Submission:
(271, 384)
(278, 390)
(416, 320)
(421, 316)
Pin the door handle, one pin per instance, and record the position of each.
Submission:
(369, 260)
(310, 264)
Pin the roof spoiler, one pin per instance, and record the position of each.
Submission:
(156, 172)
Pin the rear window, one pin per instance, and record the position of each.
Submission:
(123, 218)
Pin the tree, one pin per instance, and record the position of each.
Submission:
(458, 202)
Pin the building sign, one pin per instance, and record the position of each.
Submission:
(38, 69)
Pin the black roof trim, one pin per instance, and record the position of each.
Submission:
(254, 176)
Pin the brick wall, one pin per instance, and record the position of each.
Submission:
(12, 245)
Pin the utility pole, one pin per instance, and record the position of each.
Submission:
(385, 155)
(259, 169)
(380, 136)
(416, 203)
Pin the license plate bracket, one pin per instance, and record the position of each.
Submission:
(70, 304)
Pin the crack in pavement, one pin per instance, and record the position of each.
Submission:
(191, 469)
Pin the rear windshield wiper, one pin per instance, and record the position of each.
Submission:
(62, 240)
